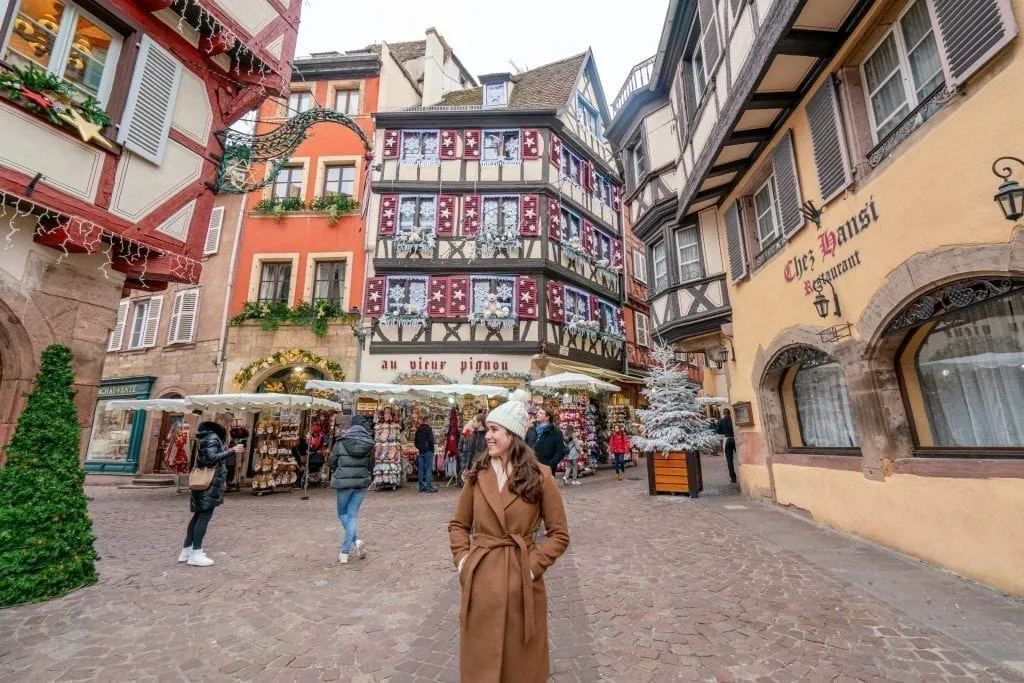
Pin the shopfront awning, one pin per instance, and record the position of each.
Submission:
(600, 373)
(156, 405)
(256, 402)
(460, 390)
(574, 380)
(358, 388)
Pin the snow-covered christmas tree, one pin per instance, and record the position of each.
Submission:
(673, 421)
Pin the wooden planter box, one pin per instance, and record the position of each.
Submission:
(679, 473)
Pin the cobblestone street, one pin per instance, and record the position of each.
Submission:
(716, 588)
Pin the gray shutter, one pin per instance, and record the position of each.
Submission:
(787, 186)
(709, 27)
(213, 231)
(147, 114)
(734, 236)
(830, 156)
(970, 33)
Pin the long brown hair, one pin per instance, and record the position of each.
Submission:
(525, 480)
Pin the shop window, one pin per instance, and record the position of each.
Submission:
(417, 214)
(65, 40)
(501, 146)
(688, 254)
(419, 146)
(288, 182)
(903, 70)
(299, 102)
(275, 283)
(823, 407)
(339, 180)
(329, 282)
(494, 298)
(968, 376)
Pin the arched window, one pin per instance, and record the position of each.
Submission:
(963, 369)
(815, 400)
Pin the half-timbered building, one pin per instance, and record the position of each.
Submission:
(495, 241)
(108, 110)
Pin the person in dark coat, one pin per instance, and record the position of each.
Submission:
(351, 464)
(210, 452)
(424, 440)
(549, 445)
(724, 429)
(472, 444)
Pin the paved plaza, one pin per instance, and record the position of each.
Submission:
(652, 589)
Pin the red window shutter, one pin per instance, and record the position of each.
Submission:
(556, 150)
(391, 144)
(554, 219)
(588, 235)
(595, 308)
(470, 214)
(446, 215)
(529, 215)
(616, 253)
(437, 303)
(620, 319)
(556, 301)
(471, 144)
(588, 176)
(449, 148)
(388, 215)
(373, 306)
(526, 298)
(616, 198)
(530, 143)
(458, 296)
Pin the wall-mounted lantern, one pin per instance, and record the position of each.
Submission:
(359, 328)
(821, 302)
(1010, 195)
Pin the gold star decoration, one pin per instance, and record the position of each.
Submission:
(86, 130)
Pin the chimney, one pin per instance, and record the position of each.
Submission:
(433, 69)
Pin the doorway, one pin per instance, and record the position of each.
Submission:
(169, 424)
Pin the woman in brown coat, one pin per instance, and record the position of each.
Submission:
(504, 602)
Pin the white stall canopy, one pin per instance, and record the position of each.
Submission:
(156, 405)
(573, 380)
(254, 402)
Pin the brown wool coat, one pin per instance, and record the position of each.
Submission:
(494, 531)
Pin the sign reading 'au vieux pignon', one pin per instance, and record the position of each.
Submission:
(830, 241)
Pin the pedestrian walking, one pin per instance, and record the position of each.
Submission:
(503, 617)
(572, 457)
(210, 452)
(549, 444)
(424, 440)
(619, 446)
(351, 464)
(724, 429)
(472, 445)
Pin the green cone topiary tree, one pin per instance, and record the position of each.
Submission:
(46, 540)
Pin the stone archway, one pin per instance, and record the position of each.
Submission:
(18, 364)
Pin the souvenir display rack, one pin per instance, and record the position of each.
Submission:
(275, 467)
(389, 467)
(575, 410)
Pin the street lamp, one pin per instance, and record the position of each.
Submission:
(359, 329)
(821, 301)
(1010, 195)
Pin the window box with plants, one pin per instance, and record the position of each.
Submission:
(316, 315)
(333, 206)
(46, 95)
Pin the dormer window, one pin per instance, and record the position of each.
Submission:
(495, 95)
(501, 147)
(419, 146)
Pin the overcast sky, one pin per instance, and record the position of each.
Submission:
(486, 35)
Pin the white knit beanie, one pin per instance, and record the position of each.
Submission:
(512, 413)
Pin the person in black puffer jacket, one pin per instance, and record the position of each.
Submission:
(351, 465)
(210, 452)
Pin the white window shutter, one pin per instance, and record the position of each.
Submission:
(186, 305)
(117, 334)
(213, 232)
(156, 305)
(147, 114)
(172, 327)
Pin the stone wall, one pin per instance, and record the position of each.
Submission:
(249, 343)
(44, 302)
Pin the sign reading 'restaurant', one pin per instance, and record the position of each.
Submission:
(830, 242)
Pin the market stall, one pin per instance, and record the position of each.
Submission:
(581, 401)
(394, 410)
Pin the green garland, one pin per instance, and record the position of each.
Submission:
(523, 377)
(334, 207)
(423, 374)
(61, 95)
(317, 316)
(46, 539)
(288, 357)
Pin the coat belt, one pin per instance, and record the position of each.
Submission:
(488, 543)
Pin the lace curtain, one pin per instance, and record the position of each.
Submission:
(971, 370)
(823, 406)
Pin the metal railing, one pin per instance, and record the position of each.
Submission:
(639, 76)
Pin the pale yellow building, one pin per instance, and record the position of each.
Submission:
(876, 350)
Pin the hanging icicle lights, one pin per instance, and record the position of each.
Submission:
(193, 14)
(85, 235)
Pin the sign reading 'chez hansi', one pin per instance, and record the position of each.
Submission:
(829, 242)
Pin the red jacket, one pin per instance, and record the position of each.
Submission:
(620, 443)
